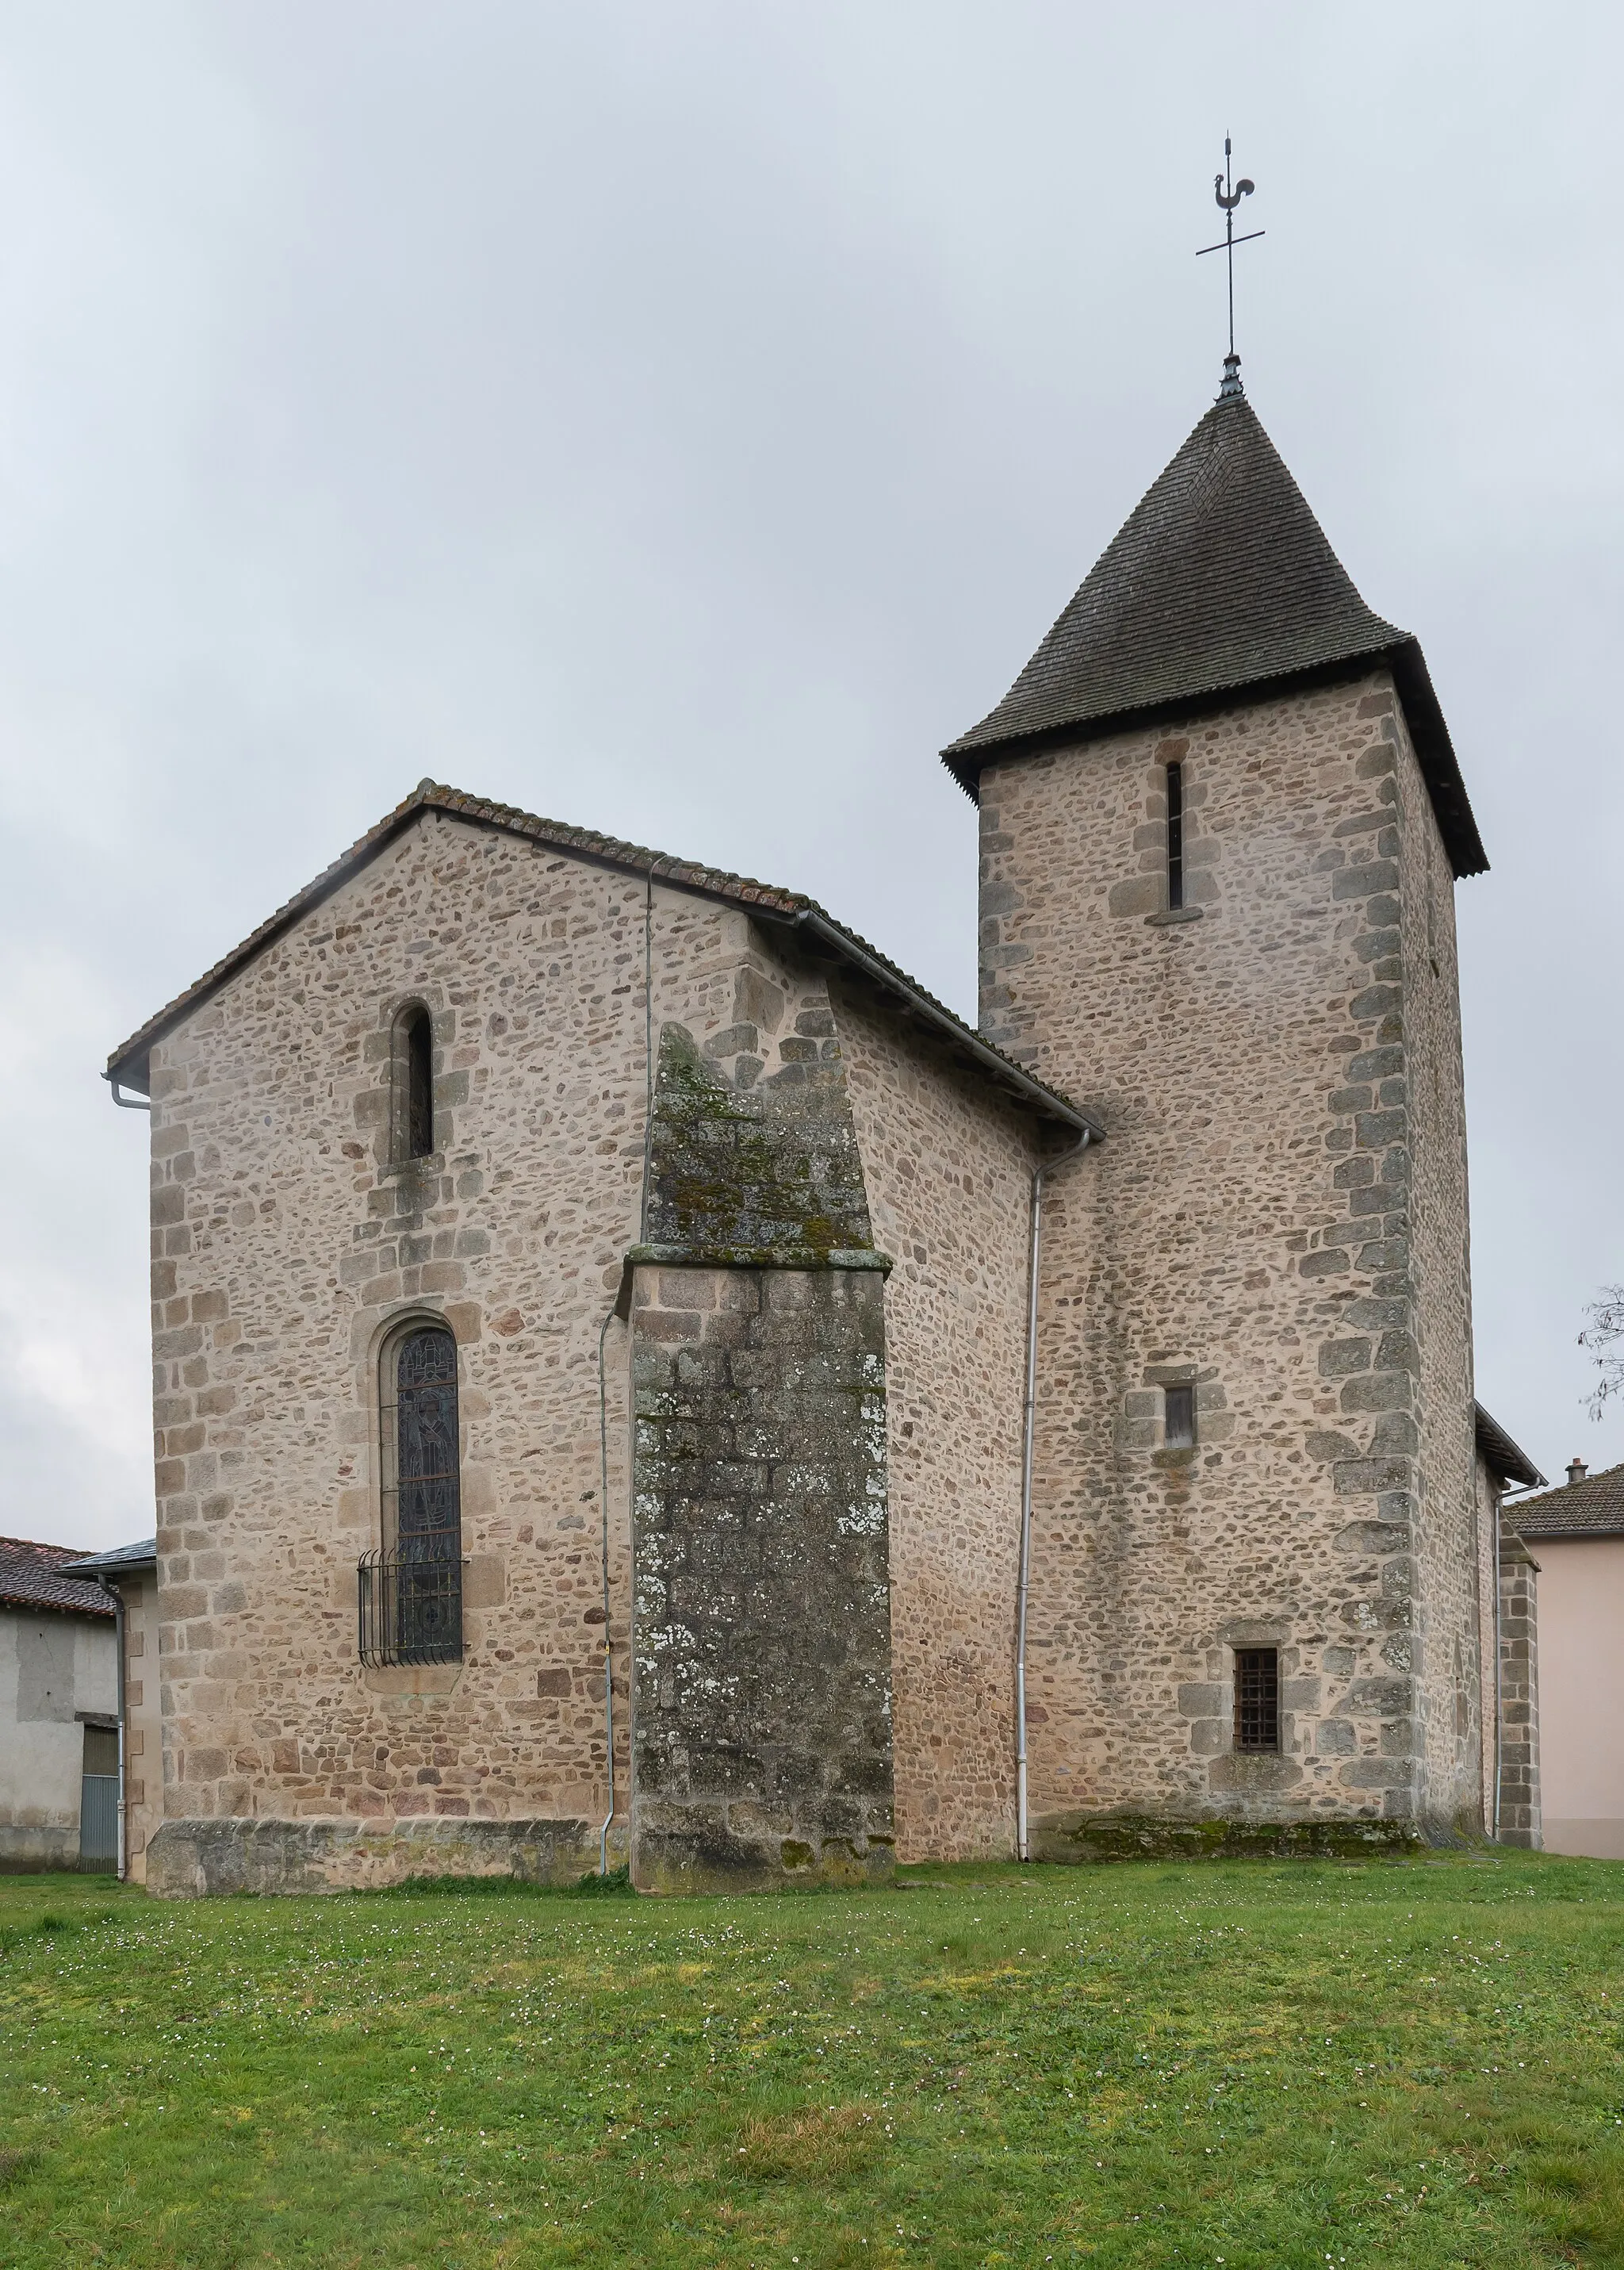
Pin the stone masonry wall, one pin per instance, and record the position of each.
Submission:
(761, 1653)
(1519, 1695)
(143, 1725)
(1448, 1662)
(1487, 1487)
(1245, 1228)
(288, 1240)
(763, 1641)
(948, 1171)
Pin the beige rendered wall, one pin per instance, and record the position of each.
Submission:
(1582, 1693)
(1246, 1225)
(948, 1171)
(52, 1667)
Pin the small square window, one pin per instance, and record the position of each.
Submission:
(1179, 1404)
(1257, 1698)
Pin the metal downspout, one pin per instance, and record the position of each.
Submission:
(117, 1598)
(603, 1389)
(1035, 1259)
(1498, 1707)
(609, 1682)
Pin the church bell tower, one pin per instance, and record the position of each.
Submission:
(1221, 819)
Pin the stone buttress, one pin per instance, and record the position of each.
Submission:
(762, 1743)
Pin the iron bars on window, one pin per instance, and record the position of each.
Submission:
(1257, 1698)
(411, 1603)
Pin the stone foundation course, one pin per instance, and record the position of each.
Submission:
(191, 1859)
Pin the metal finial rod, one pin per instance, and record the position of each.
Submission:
(1227, 195)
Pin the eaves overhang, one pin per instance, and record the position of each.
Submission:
(129, 1065)
(967, 759)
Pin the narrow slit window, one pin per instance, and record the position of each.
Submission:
(420, 1081)
(1175, 837)
(1179, 1404)
(1257, 1698)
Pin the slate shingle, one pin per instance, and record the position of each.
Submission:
(1222, 581)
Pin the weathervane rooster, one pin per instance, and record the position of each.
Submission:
(1229, 197)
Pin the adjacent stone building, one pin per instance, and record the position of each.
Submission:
(636, 1378)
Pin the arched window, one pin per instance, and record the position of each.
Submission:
(414, 1084)
(411, 1589)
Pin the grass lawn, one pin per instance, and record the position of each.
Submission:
(1412, 2063)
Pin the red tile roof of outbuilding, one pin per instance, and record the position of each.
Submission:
(31, 1578)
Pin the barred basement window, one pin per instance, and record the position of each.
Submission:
(1257, 1698)
(1175, 837)
(1178, 1431)
(411, 1589)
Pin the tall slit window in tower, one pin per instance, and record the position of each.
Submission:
(1178, 1401)
(420, 1085)
(1257, 1698)
(1175, 837)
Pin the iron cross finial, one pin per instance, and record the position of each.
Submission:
(1228, 196)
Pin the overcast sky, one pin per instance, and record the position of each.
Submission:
(682, 419)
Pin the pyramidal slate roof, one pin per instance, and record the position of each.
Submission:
(1222, 581)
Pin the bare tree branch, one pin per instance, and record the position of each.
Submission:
(1601, 1335)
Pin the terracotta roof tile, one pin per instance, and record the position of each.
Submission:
(1593, 1508)
(31, 1578)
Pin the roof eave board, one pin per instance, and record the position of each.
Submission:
(130, 1066)
(1423, 713)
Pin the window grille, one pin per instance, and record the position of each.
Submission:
(410, 1610)
(1257, 1698)
(410, 1590)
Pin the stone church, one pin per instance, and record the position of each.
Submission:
(639, 1381)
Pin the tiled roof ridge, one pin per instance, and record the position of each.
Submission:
(642, 860)
(49, 1554)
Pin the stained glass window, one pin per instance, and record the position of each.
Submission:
(412, 1602)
